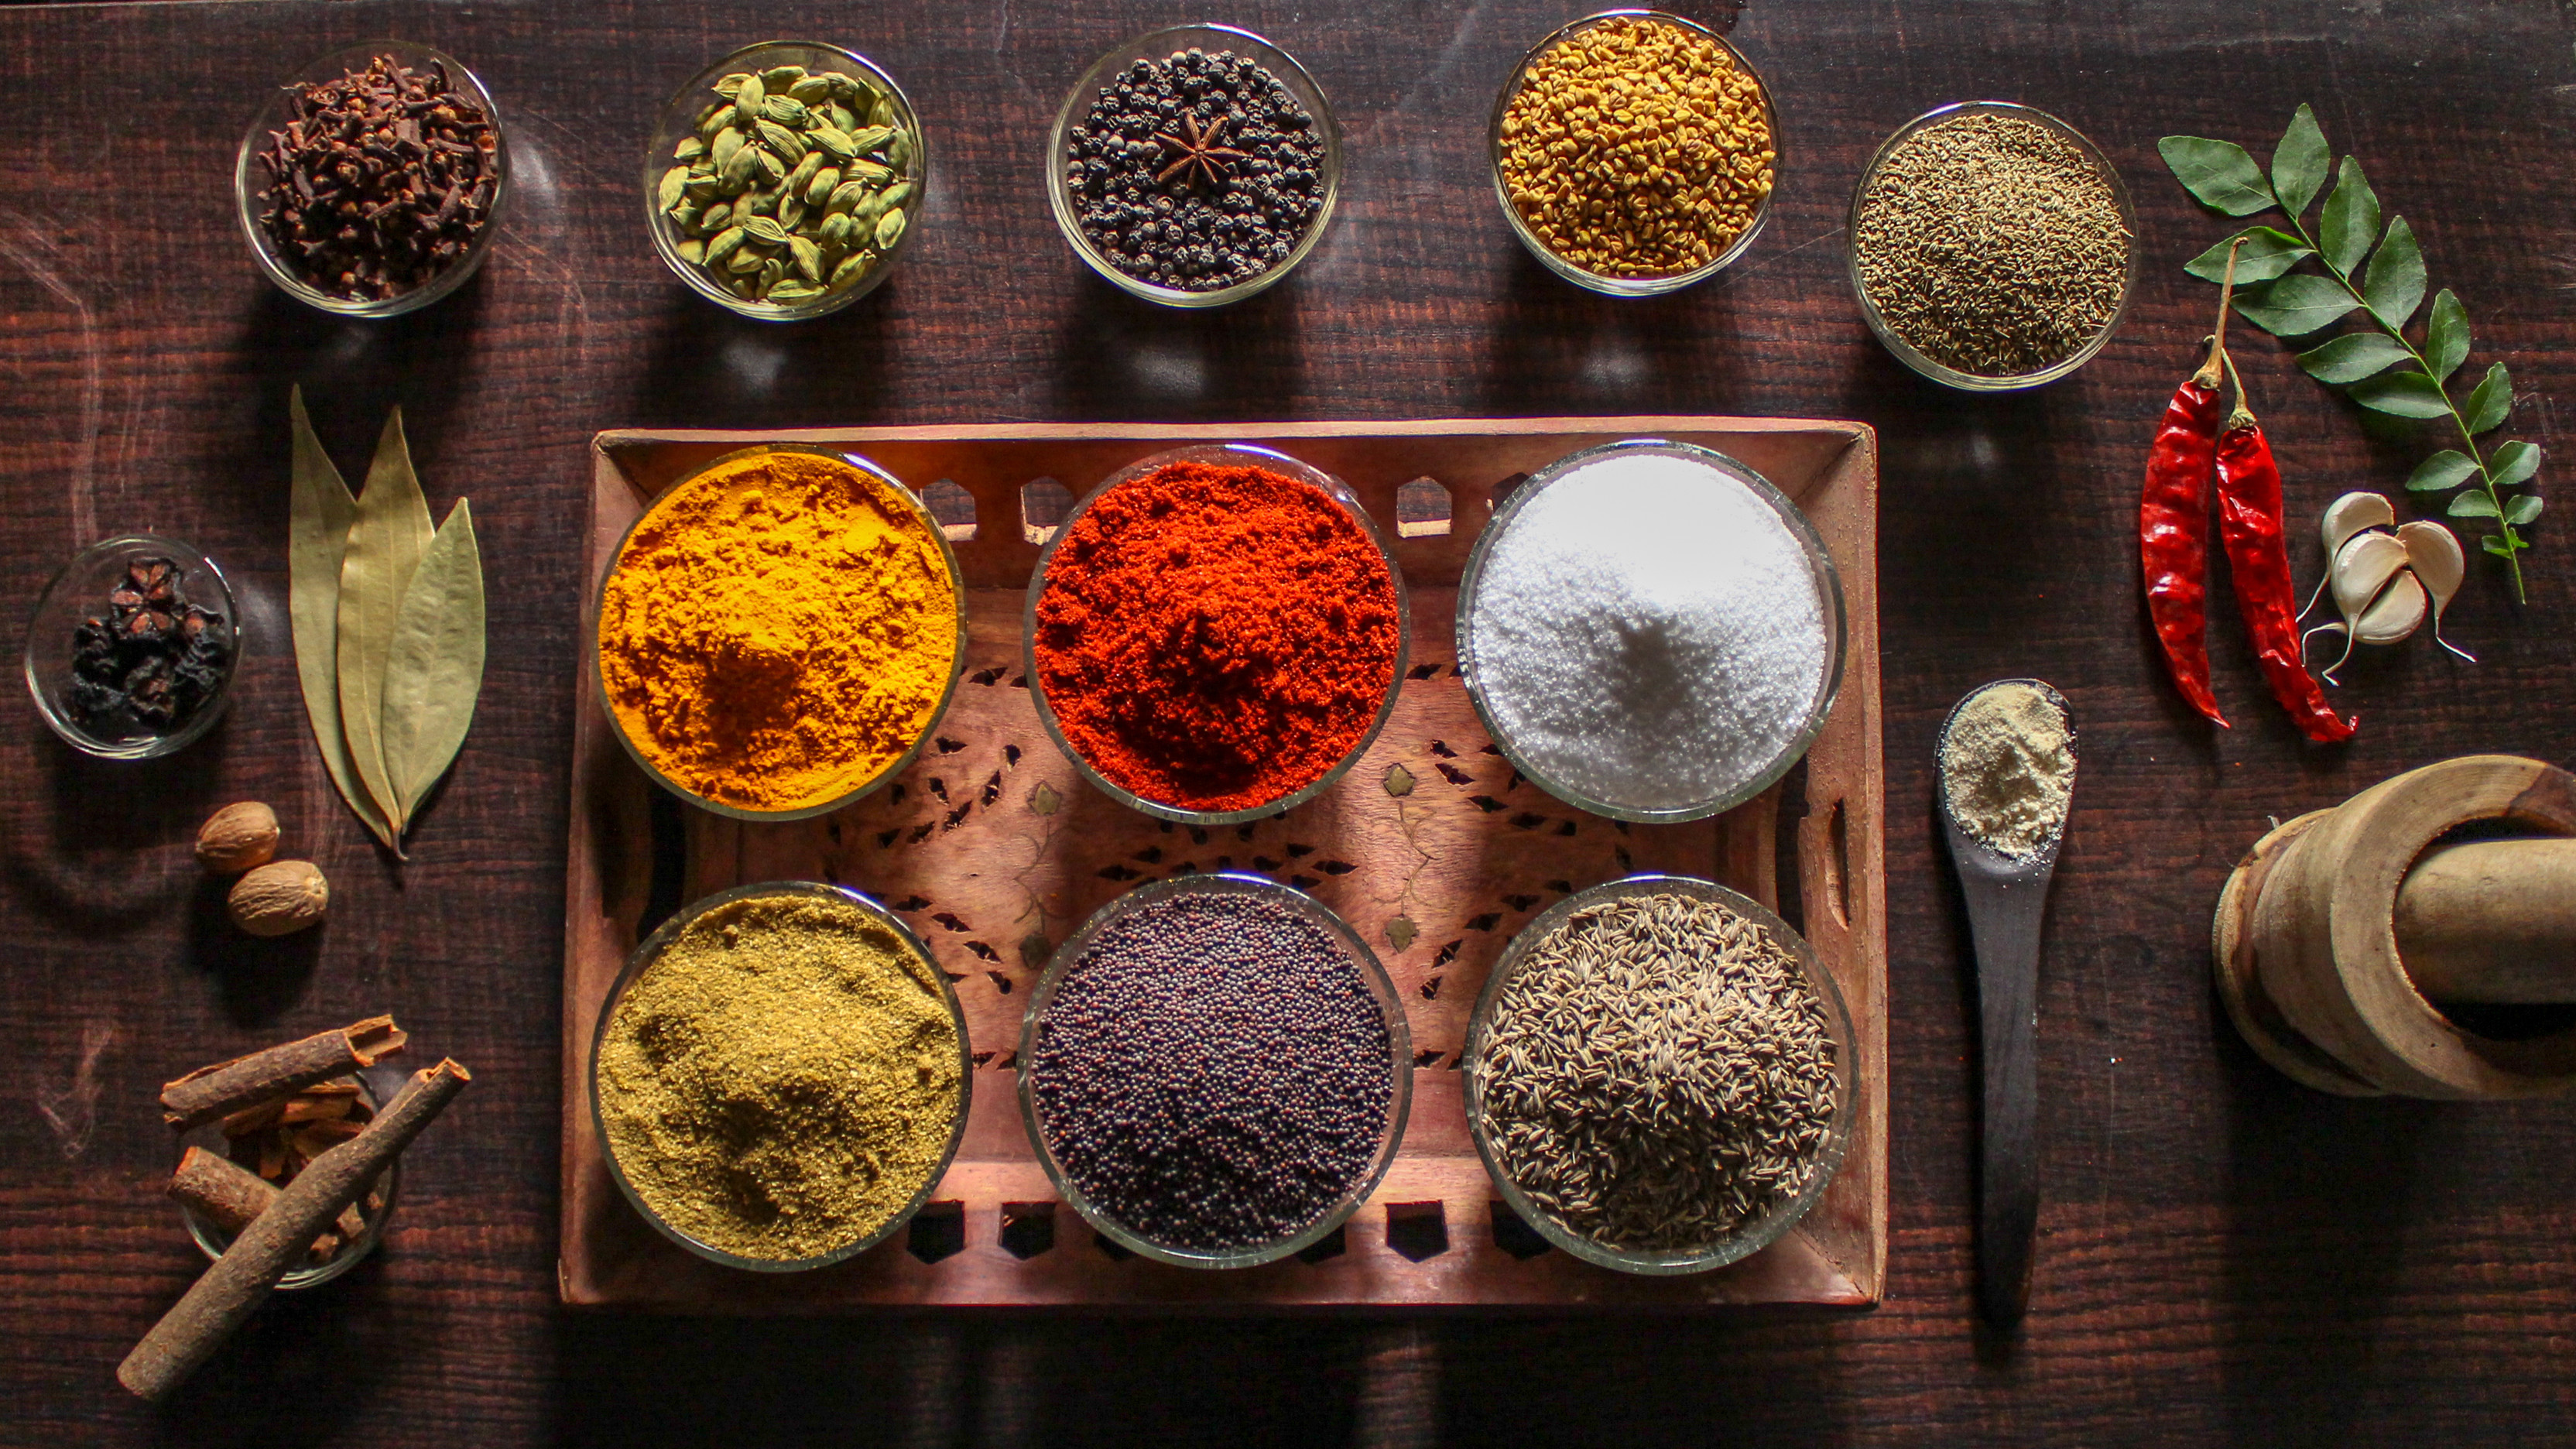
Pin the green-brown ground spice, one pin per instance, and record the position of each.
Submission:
(782, 1079)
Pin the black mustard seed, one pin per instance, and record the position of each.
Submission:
(1196, 172)
(1213, 1072)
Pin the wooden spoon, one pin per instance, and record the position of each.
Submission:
(2006, 895)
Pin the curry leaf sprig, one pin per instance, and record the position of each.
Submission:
(2377, 364)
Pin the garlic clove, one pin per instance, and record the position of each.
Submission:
(2433, 553)
(2394, 614)
(2351, 514)
(2362, 568)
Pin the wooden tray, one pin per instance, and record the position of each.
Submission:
(1432, 846)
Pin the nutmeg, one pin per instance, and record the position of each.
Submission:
(237, 838)
(280, 898)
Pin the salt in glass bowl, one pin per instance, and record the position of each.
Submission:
(1240, 455)
(1753, 1237)
(642, 960)
(375, 1087)
(250, 178)
(1942, 373)
(1829, 598)
(1158, 46)
(1598, 281)
(1399, 1066)
(79, 591)
(680, 118)
(858, 788)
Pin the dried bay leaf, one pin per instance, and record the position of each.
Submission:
(386, 543)
(434, 668)
(320, 510)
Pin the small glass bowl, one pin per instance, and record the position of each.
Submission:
(1223, 455)
(1399, 1037)
(651, 949)
(1771, 1226)
(1829, 595)
(214, 1241)
(680, 118)
(1596, 281)
(1941, 373)
(250, 177)
(81, 590)
(948, 692)
(1157, 46)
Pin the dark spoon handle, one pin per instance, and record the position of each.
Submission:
(2004, 918)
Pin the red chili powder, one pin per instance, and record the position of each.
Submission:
(1215, 637)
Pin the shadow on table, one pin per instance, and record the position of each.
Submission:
(1119, 357)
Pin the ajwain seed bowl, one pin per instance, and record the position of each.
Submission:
(1227, 455)
(1784, 1215)
(642, 960)
(1602, 282)
(1399, 1066)
(1913, 357)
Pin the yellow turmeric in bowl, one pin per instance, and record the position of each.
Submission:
(779, 630)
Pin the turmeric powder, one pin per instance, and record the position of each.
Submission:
(778, 630)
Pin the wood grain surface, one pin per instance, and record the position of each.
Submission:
(2224, 1256)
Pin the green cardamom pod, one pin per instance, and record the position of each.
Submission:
(900, 193)
(779, 79)
(803, 173)
(813, 90)
(745, 262)
(685, 215)
(759, 201)
(766, 229)
(852, 267)
(713, 117)
(770, 165)
(871, 172)
(690, 148)
(882, 113)
(863, 217)
(727, 141)
(847, 196)
(717, 216)
(869, 138)
(835, 231)
(772, 272)
(785, 110)
(789, 146)
(723, 244)
(675, 183)
(840, 118)
(792, 290)
(704, 186)
(727, 86)
(889, 229)
(820, 186)
(746, 103)
(833, 140)
(791, 211)
(899, 151)
(691, 251)
(738, 169)
(809, 257)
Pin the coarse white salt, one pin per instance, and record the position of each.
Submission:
(1648, 633)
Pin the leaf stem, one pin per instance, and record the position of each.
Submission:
(2513, 544)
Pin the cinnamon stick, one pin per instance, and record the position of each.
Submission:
(228, 1087)
(234, 1287)
(232, 1196)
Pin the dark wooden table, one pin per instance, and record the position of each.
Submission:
(2225, 1257)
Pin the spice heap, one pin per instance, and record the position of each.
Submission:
(782, 1079)
(384, 179)
(1645, 631)
(151, 660)
(2008, 767)
(1195, 172)
(778, 630)
(1637, 148)
(1214, 636)
(1991, 244)
(793, 185)
(1213, 1073)
(1657, 1074)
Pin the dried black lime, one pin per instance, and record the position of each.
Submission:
(152, 660)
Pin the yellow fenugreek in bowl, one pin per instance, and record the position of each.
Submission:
(1634, 152)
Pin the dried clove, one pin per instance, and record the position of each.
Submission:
(382, 181)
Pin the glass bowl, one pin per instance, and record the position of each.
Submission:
(1596, 281)
(1829, 595)
(1950, 376)
(680, 119)
(948, 692)
(80, 590)
(250, 177)
(1771, 1226)
(1156, 46)
(1399, 1065)
(214, 1241)
(1234, 455)
(644, 956)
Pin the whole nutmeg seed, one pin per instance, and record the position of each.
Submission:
(280, 898)
(237, 838)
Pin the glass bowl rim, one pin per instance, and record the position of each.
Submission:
(1829, 594)
(1373, 974)
(1950, 377)
(457, 273)
(206, 716)
(1281, 64)
(214, 1242)
(1601, 282)
(657, 159)
(1273, 460)
(650, 949)
(1787, 1214)
(902, 762)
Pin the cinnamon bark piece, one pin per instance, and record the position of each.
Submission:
(232, 1196)
(231, 1290)
(228, 1087)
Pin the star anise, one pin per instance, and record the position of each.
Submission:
(1200, 155)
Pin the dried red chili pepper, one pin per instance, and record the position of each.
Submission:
(2249, 520)
(2173, 519)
